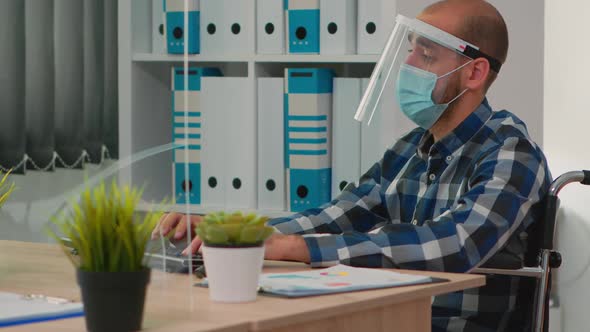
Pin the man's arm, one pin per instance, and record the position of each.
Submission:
(503, 188)
(281, 247)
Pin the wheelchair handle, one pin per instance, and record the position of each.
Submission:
(582, 177)
(552, 202)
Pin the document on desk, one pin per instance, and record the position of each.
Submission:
(336, 279)
(16, 309)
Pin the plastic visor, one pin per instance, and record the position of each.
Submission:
(420, 48)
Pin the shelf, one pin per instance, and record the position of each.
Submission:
(145, 97)
(316, 58)
(152, 57)
(197, 209)
(258, 58)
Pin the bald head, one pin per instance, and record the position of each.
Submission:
(475, 21)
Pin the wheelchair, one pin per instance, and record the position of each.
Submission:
(540, 257)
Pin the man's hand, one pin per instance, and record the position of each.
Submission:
(286, 248)
(173, 220)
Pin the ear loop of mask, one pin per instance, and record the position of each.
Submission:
(449, 73)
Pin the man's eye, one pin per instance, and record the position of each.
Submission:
(426, 57)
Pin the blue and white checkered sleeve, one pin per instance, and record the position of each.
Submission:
(501, 192)
(364, 204)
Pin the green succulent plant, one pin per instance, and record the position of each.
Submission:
(5, 188)
(235, 229)
(105, 230)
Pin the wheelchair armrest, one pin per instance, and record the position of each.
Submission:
(503, 260)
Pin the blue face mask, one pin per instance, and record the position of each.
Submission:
(414, 95)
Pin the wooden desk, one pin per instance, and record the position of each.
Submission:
(173, 304)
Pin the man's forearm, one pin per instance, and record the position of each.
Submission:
(287, 248)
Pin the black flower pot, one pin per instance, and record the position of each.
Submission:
(113, 301)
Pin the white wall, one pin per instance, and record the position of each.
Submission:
(38, 196)
(566, 112)
(519, 87)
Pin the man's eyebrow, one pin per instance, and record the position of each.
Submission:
(424, 42)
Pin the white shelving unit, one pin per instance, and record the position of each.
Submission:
(145, 96)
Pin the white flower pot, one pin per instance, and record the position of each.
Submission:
(233, 272)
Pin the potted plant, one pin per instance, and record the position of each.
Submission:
(5, 188)
(109, 239)
(233, 251)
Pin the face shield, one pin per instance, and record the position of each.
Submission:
(424, 63)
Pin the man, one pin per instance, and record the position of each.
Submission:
(445, 197)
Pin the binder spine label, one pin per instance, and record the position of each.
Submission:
(176, 32)
(303, 26)
(309, 188)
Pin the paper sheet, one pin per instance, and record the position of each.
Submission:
(336, 279)
(17, 309)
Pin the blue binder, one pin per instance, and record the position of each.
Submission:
(303, 30)
(176, 31)
(187, 190)
(308, 118)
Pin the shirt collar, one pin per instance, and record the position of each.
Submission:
(459, 136)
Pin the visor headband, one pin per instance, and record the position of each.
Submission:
(473, 53)
(448, 40)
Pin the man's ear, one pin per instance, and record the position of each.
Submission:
(477, 76)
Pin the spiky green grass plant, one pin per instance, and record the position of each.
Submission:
(106, 231)
(5, 188)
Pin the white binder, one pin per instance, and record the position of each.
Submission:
(228, 26)
(214, 116)
(346, 131)
(376, 19)
(239, 27)
(187, 125)
(308, 137)
(240, 131)
(270, 27)
(338, 26)
(372, 148)
(271, 152)
(212, 25)
(158, 25)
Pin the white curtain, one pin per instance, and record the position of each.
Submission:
(58, 83)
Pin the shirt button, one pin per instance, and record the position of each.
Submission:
(415, 222)
(432, 176)
(449, 158)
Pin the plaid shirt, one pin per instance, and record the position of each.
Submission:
(441, 206)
